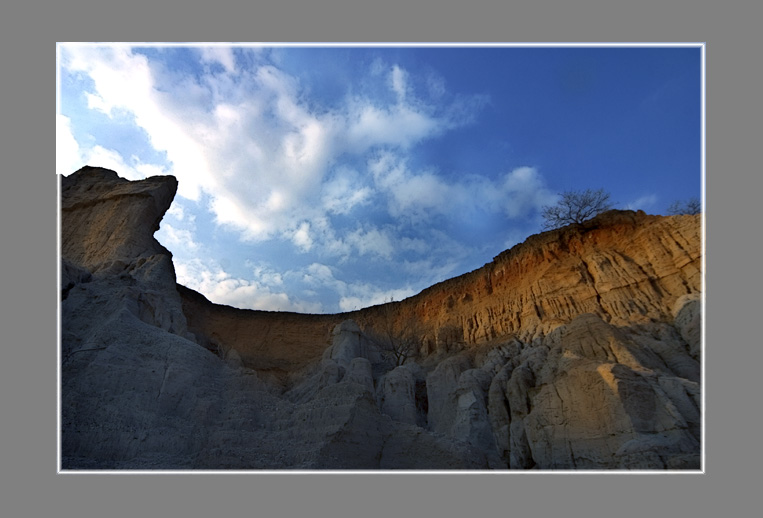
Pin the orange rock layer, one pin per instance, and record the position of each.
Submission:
(627, 267)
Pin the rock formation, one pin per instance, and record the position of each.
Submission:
(577, 349)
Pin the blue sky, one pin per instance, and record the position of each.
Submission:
(326, 179)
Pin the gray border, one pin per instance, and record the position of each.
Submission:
(30, 486)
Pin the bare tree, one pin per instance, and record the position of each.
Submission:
(575, 207)
(399, 337)
(691, 206)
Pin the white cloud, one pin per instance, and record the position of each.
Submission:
(68, 157)
(266, 275)
(344, 192)
(175, 238)
(414, 195)
(523, 191)
(401, 126)
(219, 54)
(253, 142)
(398, 80)
(368, 295)
(372, 242)
(124, 82)
(352, 296)
(302, 238)
(111, 159)
(318, 273)
(643, 203)
(177, 211)
(276, 165)
(421, 195)
(222, 288)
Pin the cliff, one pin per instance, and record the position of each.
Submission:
(626, 267)
(577, 349)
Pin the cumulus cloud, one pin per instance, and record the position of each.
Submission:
(254, 142)
(421, 195)
(352, 295)
(372, 242)
(178, 212)
(271, 162)
(522, 191)
(70, 156)
(176, 238)
(123, 83)
(222, 288)
(344, 191)
(302, 238)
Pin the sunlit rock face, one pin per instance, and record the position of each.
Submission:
(107, 231)
(577, 349)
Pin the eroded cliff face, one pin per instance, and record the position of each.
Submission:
(578, 349)
(626, 267)
(107, 233)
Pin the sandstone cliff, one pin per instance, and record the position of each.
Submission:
(577, 349)
(626, 267)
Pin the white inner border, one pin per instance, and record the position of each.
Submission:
(702, 46)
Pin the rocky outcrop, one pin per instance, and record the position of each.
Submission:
(578, 349)
(627, 267)
(592, 396)
(107, 229)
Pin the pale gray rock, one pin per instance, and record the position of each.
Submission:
(520, 404)
(596, 391)
(329, 372)
(471, 423)
(107, 227)
(495, 359)
(397, 395)
(349, 343)
(687, 313)
(673, 356)
(498, 411)
(233, 359)
(346, 359)
(360, 372)
(412, 448)
(441, 387)
(135, 396)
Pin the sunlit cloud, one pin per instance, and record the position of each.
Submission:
(338, 197)
(263, 153)
(123, 82)
(177, 238)
(372, 242)
(422, 195)
(352, 295)
(221, 287)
